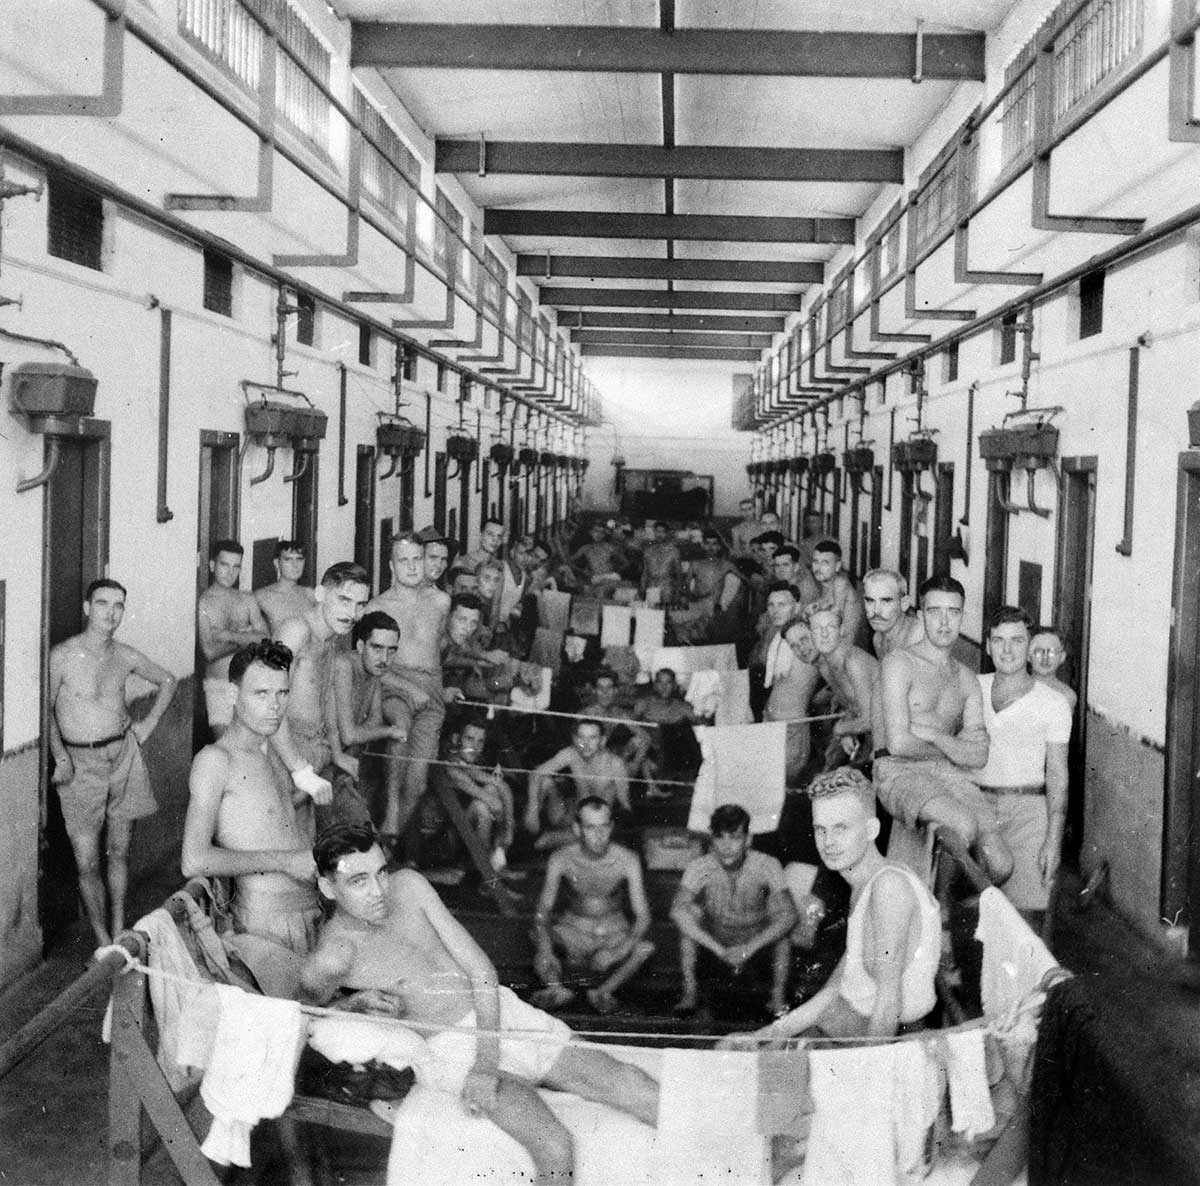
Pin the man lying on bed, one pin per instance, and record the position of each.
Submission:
(398, 951)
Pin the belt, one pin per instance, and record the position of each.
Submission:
(1029, 789)
(96, 744)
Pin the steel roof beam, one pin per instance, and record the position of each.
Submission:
(762, 271)
(625, 337)
(599, 318)
(776, 302)
(702, 355)
(954, 57)
(604, 224)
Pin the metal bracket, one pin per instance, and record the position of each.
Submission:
(919, 66)
(349, 257)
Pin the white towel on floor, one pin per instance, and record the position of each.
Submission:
(649, 627)
(616, 626)
(1014, 958)
(852, 1142)
(966, 1069)
(251, 1072)
(743, 764)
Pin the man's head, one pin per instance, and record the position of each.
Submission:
(472, 737)
(352, 872)
(593, 825)
(489, 576)
(661, 533)
(408, 559)
(942, 599)
(289, 559)
(260, 675)
(588, 737)
(826, 561)
(520, 554)
(1008, 639)
(466, 612)
(104, 605)
(799, 637)
(730, 829)
(605, 687)
(770, 542)
(344, 590)
(598, 532)
(812, 524)
(844, 821)
(376, 638)
(1047, 651)
(491, 536)
(782, 601)
(785, 564)
(825, 626)
(769, 520)
(226, 563)
(712, 544)
(463, 580)
(746, 508)
(539, 552)
(436, 560)
(885, 598)
(665, 685)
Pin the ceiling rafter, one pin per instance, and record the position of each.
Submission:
(659, 298)
(604, 224)
(752, 271)
(731, 322)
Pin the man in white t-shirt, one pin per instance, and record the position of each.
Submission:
(1025, 779)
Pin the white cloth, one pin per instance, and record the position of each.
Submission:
(779, 660)
(916, 1100)
(966, 1069)
(616, 626)
(704, 691)
(733, 707)
(649, 627)
(554, 610)
(685, 660)
(1014, 958)
(509, 598)
(852, 1141)
(743, 764)
(359, 1039)
(1019, 734)
(251, 1069)
(539, 700)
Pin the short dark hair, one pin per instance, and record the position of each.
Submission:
(789, 550)
(345, 572)
(226, 545)
(1007, 614)
(728, 819)
(466, 600)
(783, 587)
(492, 522)
(289, 545)
(940, 584)
(268, 652)
(369, 623)
(770, 537)
(105, 583)
(605, 673)
(665, 671)
(594, 802)
(829, 546)
(340, 840)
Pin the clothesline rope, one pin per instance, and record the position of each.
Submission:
(582, 716)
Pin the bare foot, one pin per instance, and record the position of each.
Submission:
(602, 1001)
(553, 996)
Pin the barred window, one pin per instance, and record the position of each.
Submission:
(495, 281)
(446, 232)
(936, 205)
(392, 175)
(524, 323)
(218, 283)
(75, 229)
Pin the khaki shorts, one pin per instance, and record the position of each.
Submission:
(529, 1048)
(109, 783)
(1021, 822)
(906, 785)
(290, 917)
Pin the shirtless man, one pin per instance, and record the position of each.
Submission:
(853, 675)
(488, 797)
(836, 589)
(310, 729)
(1047, 654)
(662, 567)
(226, 619)
(436, 555)
(717, 598)
(933, 731)
(745, 529)
(400, 952)
(893, 937)
(242, 820)
(491, 538)
(893, 622)
(98, 769)
(286, 598)
(733, 903)
(788, 681)
(1025, 779)
(597, 773)
(597, 562)
(593, 933)
(786, 566)
(412, 688)
(669, 742)
(358, 696)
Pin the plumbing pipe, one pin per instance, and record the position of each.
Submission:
(394, 460)
(301, 467)
(47, 473)
(270, 467)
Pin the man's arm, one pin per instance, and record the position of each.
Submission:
(896, 679)
(969, 747)
(862, 672)
(294, 634)
(217, 640)
(686, 914)
(201, 857)
(891, 913)
(323, 973)
(620, 781)
(537, 779)
(639, 907)
(163, 680)
(545, 963)
(805, 1016)
(1056, 806)
(850, 603)
(64, 768)
(781, 918)
(349, 731)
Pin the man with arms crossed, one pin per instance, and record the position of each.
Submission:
(893, 623)
(884, 981)
(400, 952)
(241, 818)
(1025, 779)
(932, 732)
(286, 597)
(412, 687)
(98, 769)
(593, 932)
(853, 675)
(226, 618)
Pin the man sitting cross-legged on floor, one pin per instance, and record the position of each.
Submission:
(893, 937)
(593, 933)
(398, 951)
(733, 902)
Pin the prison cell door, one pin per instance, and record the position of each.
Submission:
(875, 534)
(304, 515)
(364, 510)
